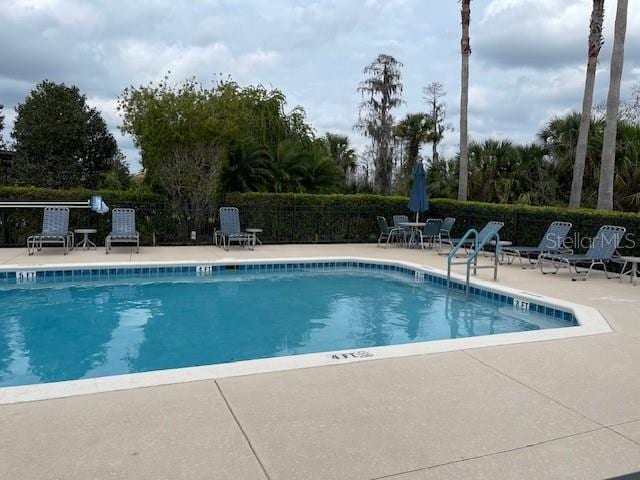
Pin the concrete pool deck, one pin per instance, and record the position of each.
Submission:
(565, 408)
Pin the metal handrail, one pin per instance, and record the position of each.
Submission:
(44, 204)
(473, 256)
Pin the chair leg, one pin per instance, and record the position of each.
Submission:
(579, 275)
(606, 272)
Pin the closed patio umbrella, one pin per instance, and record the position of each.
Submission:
(419, 202)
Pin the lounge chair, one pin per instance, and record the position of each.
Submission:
(488, 230)
(230, 229)
(55, 230)
(123, 228)
(387, 233)
(552, 243)
(431, 231)
(603, 249)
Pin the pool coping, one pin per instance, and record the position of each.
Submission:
(590, 322)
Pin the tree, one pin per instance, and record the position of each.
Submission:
(60, 141)
(381, 92)
(413, 130)
(594, 45)
(299, 169)
(559, 138)
(607, 167)
(630, 110)
(465, 50)
(244, 125)
(119, 177)
(438, 112)
(1, 125)
(190, 174)
(248, 170)
(342, 153)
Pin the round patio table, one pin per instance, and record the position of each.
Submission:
(415, 229)
(632, 271)
(85, 242)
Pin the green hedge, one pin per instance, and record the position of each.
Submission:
(155, 221)
(302, 218)
(308, 218)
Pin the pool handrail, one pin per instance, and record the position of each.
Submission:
(473, 256)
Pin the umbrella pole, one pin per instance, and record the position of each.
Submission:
(417, 215)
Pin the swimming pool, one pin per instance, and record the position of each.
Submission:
(99, 321)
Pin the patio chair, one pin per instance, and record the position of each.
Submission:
(445, 232)
(387, 233)
(552, 243)
(55, 230)
(123, 228)
(230, 229)
(602, 250)
(397, 220)
(431, 231)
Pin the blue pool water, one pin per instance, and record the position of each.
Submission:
(62, 331)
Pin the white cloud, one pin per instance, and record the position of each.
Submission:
(528, 55)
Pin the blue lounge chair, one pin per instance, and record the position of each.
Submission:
(552, 243)
(55, 230)
(602, 250)
(230, 229)
(387, 233)
(123, 228)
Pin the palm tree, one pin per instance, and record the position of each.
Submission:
(248, 170)
(321, 174)
(627, 179)
(594, 45)
(342, 153)
(558, 136)
(465, 49)
(414, 130)
(607, 168)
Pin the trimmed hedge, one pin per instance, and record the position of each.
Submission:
(309, 218)
(155, 220)
(306, 218)
(302, 218)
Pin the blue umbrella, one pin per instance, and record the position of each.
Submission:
(418, 202)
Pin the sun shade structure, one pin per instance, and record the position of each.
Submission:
(419, 202)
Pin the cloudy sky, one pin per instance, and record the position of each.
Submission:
(527, 63)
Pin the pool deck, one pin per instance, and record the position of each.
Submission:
(566, 408)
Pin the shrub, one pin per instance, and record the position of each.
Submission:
(309, 218)
(303, 218)
(18, 223)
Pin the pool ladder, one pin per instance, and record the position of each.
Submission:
(472, 259)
